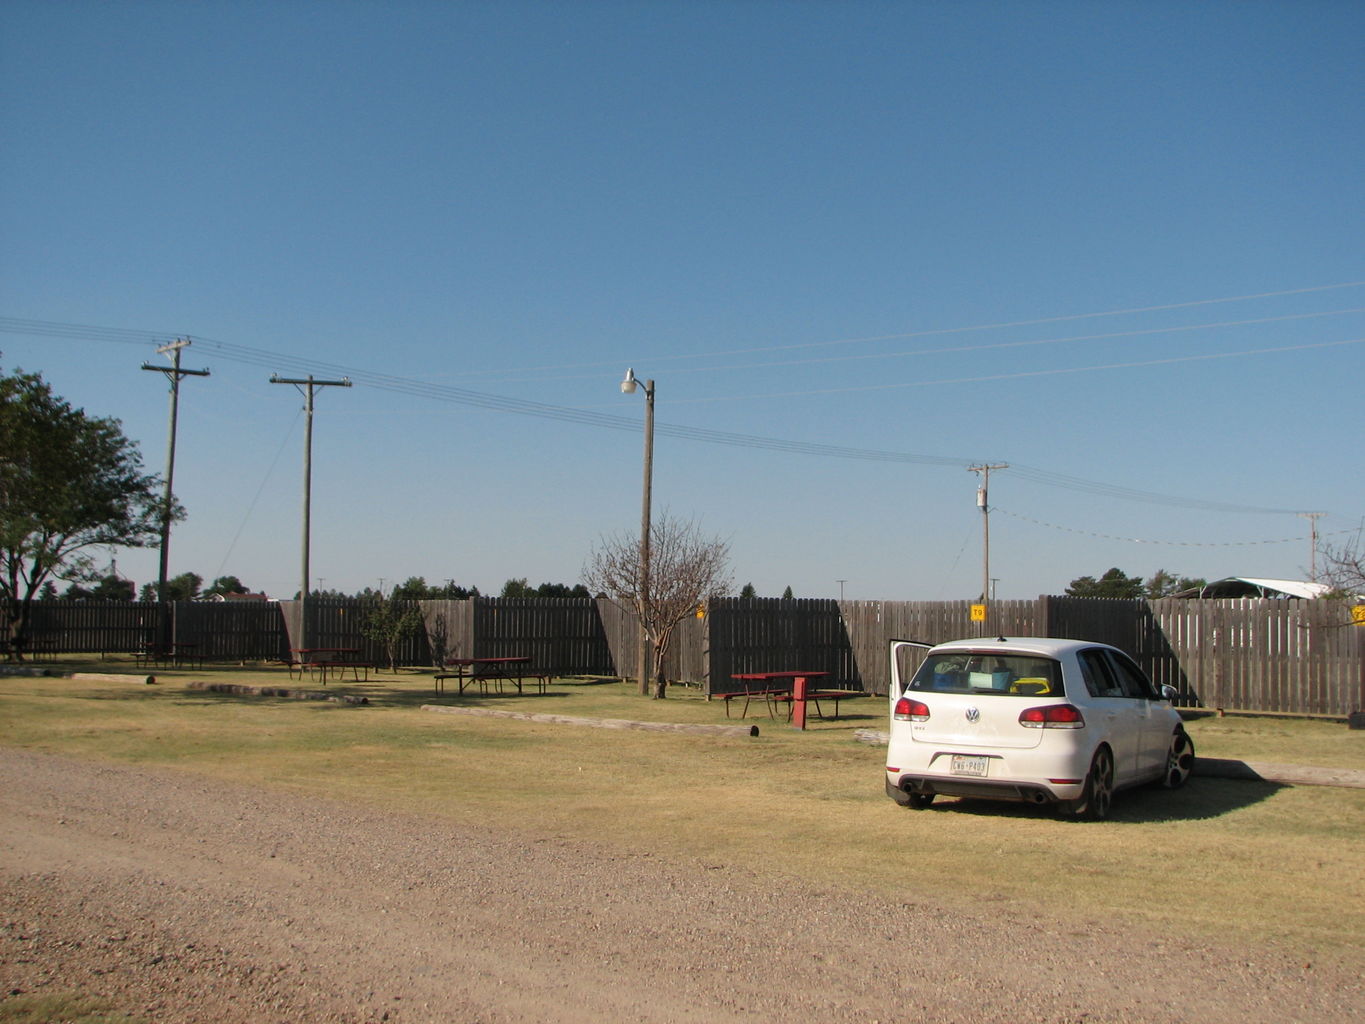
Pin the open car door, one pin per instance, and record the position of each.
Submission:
(903, 666)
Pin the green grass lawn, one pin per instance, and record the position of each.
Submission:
(1221, 857)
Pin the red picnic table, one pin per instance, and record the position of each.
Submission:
(795, 693)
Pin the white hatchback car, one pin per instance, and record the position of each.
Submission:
(1044, 721)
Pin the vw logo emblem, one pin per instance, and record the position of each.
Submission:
(973, 715)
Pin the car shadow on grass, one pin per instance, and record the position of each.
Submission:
(1200, 799)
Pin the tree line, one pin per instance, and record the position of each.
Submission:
(1118, 584)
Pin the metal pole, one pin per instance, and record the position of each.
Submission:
(983, 502)
(645, 653)
(307, 510)
(306, 387)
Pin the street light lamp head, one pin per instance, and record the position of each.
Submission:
(629, 385)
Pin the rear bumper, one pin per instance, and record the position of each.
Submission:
(1013, 790)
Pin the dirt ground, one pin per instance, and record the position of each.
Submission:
(182, 898)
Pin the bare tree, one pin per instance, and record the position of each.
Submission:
(1345, 567)
(685, 570)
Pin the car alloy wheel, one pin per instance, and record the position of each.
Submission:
(1098, 795)
(1179, 760)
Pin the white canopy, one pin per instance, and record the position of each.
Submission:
(1247, 586)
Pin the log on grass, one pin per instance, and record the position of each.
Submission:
(599, 723)
(112, 677)
(277, 691)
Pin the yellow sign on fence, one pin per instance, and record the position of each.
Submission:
(978, 613)
(1358, 615)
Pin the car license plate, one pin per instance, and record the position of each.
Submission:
(965, 765)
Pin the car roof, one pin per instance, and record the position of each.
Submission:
(1051, 647)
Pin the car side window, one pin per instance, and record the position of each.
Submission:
(1099, 678)
(1131, 680)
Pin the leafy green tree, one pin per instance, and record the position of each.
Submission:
(226, 585)
(787, 594)
(113, 588)
(390, 621)
(522, 588)
(414, 588)
(562, 590)
(1164, 584)
(1113, 584)
(184, 587)
(748, 590)
(70, 483)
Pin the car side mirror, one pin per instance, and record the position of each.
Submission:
(1169, 692)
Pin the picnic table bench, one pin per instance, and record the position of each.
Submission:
(816, 696)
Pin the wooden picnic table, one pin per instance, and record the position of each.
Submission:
(494, 671)
(174, 653)
(328, 659)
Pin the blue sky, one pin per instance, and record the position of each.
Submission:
(1116, 246)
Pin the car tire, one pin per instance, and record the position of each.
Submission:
(1179, 760)
(919, 801)
(1097, 797)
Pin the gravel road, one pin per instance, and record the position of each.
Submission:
(183, 898)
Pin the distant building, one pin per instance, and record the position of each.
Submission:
(239, 597)
(1247, 586)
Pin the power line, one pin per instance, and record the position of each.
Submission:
(1168, 543)
(1001, 325)
(464, 396)
(518, 375)
(985, 378)
(131, 336)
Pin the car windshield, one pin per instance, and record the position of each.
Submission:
(1018, 675)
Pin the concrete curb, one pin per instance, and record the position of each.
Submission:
(731, 731)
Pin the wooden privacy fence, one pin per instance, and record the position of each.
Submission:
(242, 631)
(1289, 656)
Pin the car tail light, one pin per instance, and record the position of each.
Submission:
(1052, 716)
(908, 710)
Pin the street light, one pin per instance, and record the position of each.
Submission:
(629, 387)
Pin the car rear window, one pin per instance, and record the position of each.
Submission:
(972, 672)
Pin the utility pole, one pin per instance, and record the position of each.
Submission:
(306, 387)
(173, 374)
(983, 503)
(628, 386)
(1313, 518)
